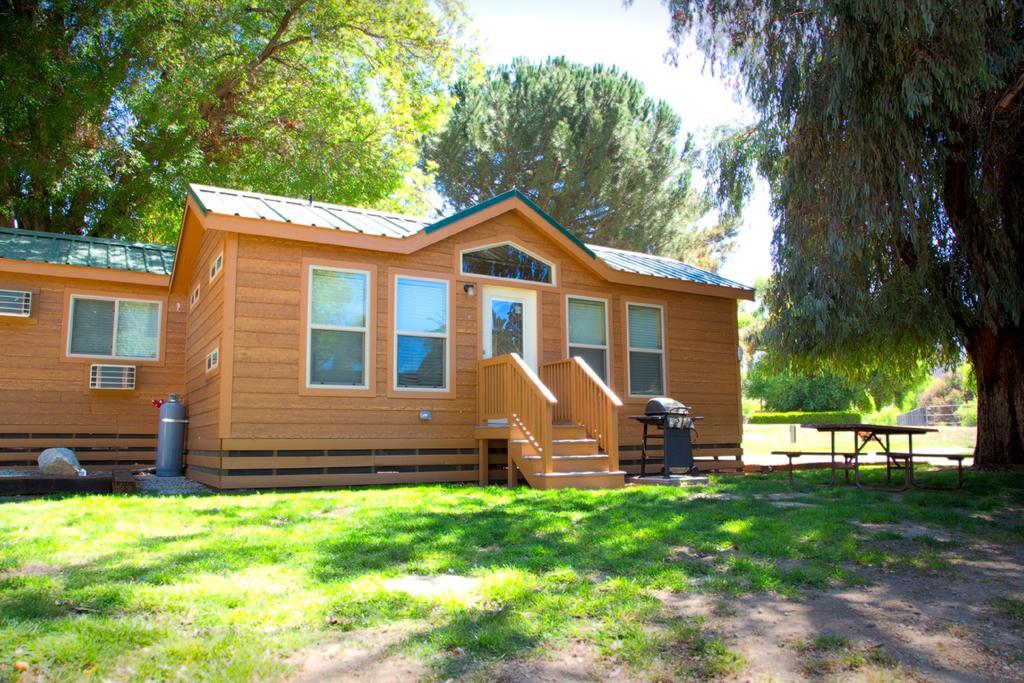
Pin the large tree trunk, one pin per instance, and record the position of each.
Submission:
(998, 359)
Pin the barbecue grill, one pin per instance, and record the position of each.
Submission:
(674, 424)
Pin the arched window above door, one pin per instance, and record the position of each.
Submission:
(507, 261)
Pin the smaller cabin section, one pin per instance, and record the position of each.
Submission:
(90, 336)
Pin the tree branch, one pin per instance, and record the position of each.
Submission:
(1006, 100)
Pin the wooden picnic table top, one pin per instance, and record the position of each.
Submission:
(874, 429)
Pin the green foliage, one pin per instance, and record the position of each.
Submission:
(968, 414)
(787, 391)
(589, 146)
(796, 417)
(946, 390)
(891, 136)
(111, 109)
(883, 416)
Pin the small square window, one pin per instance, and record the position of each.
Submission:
(194, 299)
(212, 360)
(216, 266)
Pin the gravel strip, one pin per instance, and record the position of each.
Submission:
(170, 486)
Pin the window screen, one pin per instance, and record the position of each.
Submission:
(338, 307)
(588, 333)
(646, 351)
(114, 328)
(421, 330)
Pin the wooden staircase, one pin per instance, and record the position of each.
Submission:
(561, 432)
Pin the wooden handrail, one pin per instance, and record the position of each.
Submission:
(584, 399)
(509, 389)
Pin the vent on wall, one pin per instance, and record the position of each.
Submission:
(112, 377)
(15, 303)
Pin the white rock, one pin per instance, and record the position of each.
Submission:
(60, 461)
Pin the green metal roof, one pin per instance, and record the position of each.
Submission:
(306, 212)
(500, 198)
(93, 252)
(660, 266)
(158, 259)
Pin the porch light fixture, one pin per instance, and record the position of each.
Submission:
(469, 288)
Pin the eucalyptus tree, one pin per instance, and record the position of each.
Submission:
(589, 146)
(110, 109)
(892, 134)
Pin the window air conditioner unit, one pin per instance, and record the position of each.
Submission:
(112, 377)
(15, 303)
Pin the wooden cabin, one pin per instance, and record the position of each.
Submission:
(322, 345)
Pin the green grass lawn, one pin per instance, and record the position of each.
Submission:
(763, 439)
(227, 586)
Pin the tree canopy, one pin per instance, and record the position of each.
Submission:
(892, 135)
(111, 108)
(590, 147)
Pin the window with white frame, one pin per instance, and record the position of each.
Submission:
(421, 333)
(216, 266)
(507, 261)
(212, 360)
(588, 332)
(194, 299)
(338, 348)
(646, 350)
(114, 328)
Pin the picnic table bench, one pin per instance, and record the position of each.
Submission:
(907, 460)
(863, 434)
(846, 465)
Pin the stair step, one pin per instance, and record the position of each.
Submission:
(560, 446)
(573, 463)
(578, 474)
(569, 431)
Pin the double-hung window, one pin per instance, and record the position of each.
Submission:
(114, 328)
(588, 333)
(339, 305)
(646, 350)
(421, 333)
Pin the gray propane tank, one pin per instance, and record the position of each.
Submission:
(170, 440)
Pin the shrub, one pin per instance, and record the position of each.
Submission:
(843, 416)
(883, 416)
(968, 413)
(787, 391)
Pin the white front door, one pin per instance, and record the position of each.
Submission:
(509, 317)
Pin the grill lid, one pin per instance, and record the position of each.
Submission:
(664, 404)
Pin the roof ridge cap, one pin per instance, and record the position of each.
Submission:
(87, 238)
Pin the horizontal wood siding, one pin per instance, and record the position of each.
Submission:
(205, 329)
(363, 467)
(701, 334)
(44, 395)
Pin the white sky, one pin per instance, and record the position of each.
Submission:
(635, 40)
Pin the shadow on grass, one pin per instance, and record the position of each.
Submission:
(592, 557)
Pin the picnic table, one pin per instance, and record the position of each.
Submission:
(865, 434)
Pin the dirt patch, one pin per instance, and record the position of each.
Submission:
(782, 496)
(31, 569)
(685, 553)
(906, 531)
(791, 504)
(1009, 516)
(715, 496)
(434, 586)
(365, 655)
(903, 626)
(578, 661)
